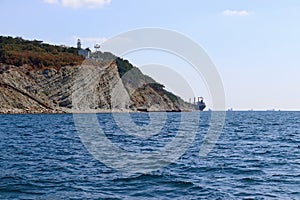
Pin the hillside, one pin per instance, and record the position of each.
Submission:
(41, 78)
(20, 52)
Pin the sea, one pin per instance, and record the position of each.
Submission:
(256, 155)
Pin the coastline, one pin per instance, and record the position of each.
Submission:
(98, 111)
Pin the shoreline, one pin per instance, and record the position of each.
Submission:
(102, 111)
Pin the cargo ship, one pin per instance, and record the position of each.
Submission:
(200, 104)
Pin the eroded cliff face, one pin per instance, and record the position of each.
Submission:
(91, 87)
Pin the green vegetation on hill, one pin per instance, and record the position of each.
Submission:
(103, 56)
(18, 52)
(124, 66)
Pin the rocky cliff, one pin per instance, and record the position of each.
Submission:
(103, 83)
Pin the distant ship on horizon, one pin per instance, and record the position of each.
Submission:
(200, 104)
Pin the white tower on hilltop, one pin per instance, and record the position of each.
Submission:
(82, 52)
(78, 44)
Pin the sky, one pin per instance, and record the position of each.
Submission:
(254, 44)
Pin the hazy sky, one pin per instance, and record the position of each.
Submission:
(254, 44)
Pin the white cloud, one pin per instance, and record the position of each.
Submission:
(235, 13)
(51, 1)
(79, 3)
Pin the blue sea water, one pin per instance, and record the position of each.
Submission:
(256, 157)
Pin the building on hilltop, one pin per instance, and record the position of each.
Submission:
(83, 52)
(78, 44)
